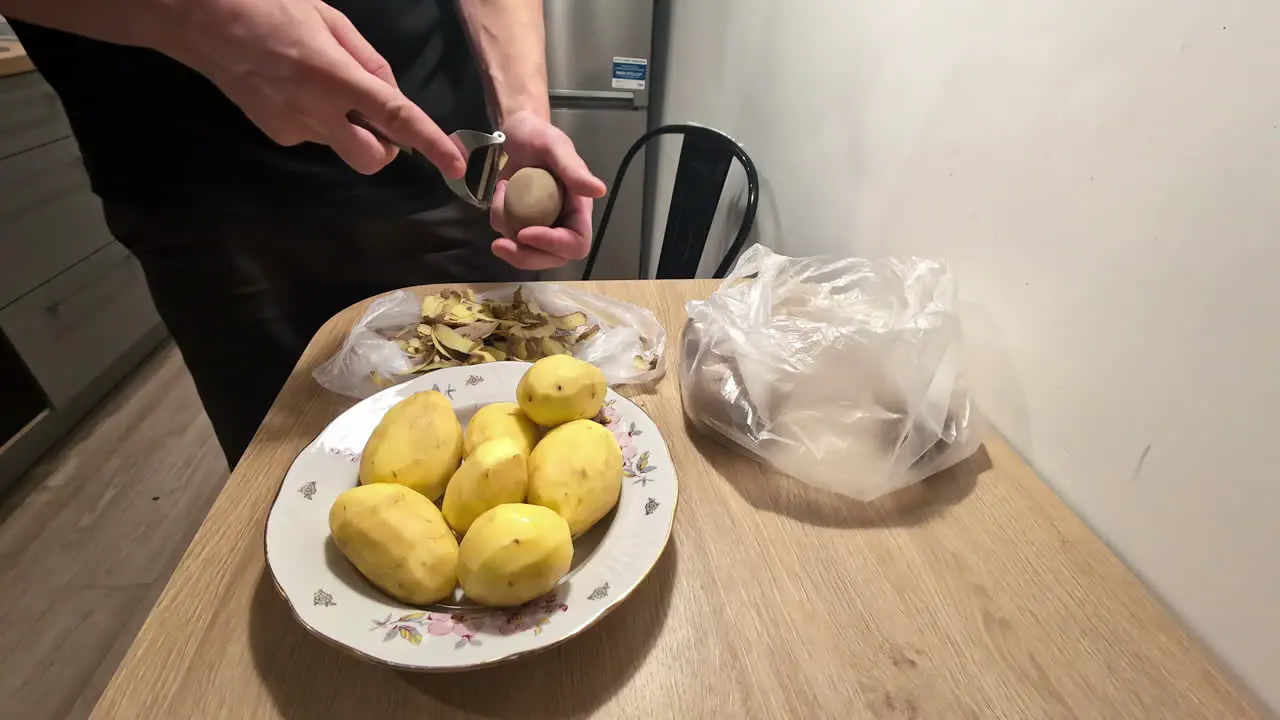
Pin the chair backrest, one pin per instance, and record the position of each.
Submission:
(705, 157)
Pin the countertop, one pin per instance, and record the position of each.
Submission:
(976, 594)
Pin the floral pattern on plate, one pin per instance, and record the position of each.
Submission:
(469, 626)
(635, 464)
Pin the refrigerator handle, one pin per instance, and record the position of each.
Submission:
(594, 99)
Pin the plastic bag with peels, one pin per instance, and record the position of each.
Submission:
(841, 372)
(628, 347)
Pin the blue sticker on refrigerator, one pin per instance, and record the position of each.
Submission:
(630, 73)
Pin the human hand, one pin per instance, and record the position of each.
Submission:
(532, 141)
(297, 68)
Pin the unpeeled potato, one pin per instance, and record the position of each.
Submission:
(533, 199)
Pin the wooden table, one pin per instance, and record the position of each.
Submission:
(976, 594)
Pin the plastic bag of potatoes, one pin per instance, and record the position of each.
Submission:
(841, 372)
(404, 334)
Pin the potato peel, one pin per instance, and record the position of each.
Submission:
(477, 330)
(458, 329)
(572, 321)
(450, 339)
(553, 347)
(432, 306)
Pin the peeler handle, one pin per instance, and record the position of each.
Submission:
(358, 120)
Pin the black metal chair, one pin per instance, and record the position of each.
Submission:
(705, 157)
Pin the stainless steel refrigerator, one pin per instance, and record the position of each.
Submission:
(599, 72)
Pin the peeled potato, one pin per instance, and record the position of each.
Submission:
(576, 470)
(533, 199)
(418, 443)
(513, 554)
(398, 540)
(493, 474)
(500, 420)
(560, 389)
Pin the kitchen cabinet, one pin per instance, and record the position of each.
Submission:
(93, 311)
(30, 114)
(24, 400)
(49, 219)
(75, 314)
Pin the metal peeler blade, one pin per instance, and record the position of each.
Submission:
(472, 140)
(469, 141)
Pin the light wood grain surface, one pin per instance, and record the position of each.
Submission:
(13, 59)
(976, 594)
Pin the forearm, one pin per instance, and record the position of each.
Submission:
(510, 44)
(144, 23)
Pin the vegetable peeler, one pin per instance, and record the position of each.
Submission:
(469, 141)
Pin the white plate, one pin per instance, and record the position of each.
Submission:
(332, 600)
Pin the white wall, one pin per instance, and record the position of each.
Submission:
(1104, 177)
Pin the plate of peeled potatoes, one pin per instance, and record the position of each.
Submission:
(472, 515)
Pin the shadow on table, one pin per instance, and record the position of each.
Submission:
(309, 678)
(771, 491)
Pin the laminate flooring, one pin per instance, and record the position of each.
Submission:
(90, 536)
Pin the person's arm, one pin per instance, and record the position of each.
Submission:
(297, 68)
(510, 45)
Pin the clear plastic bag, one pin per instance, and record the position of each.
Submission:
(626, 333)
(841, 372)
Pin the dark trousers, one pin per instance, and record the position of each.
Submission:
(242, 299)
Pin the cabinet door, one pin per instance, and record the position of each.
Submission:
(30, 114)
(71, 329)
(49, 219)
